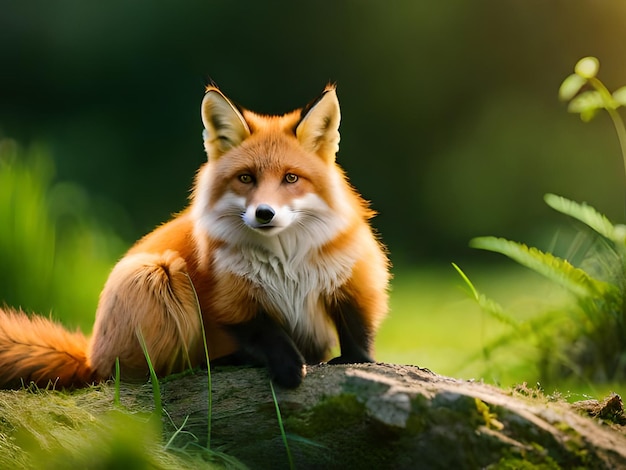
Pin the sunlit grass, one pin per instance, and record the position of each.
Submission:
(54, 254)
(58, 430)
(435, 323)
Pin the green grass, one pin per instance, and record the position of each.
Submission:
(58, 430)
(436, 323)
(281, 426)
(54, 255)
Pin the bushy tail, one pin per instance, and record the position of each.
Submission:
(38, 350)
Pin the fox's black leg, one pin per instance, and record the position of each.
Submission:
(267, 342)
(355, 338)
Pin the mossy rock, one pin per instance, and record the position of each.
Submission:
(344, 416)
(390, 416)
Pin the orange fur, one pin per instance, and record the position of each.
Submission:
(41, 351)
(314, 265)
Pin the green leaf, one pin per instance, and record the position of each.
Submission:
(620, 234)
(585, 213)
(571, 86)
(588, 115)
(619, 96)
(556, 269)
(587, 67)
(587, 101)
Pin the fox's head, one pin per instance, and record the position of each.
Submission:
(272, 175)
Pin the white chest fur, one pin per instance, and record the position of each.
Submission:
(291, 285)
(292, 272)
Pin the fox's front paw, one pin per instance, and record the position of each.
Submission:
(289, 372)
(354, 359)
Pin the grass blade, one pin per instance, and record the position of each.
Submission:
(156, 389)
(175, 434)
(282, 427)
(486, 304)
(208, 365)
(116, 399)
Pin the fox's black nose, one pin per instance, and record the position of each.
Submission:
(264, 214)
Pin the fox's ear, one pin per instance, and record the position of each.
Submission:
(224, 126)
(318, 130)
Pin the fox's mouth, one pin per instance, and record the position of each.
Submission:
(260, 227)
(267, 229)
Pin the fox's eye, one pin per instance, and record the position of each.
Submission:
(245, 178)
(291, 178)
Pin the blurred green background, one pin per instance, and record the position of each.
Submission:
(450, 125)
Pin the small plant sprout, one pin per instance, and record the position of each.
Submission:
(587, 95)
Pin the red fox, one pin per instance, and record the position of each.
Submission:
(274, 257)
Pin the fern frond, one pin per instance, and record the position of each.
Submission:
(556, 269)
(584, 213)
